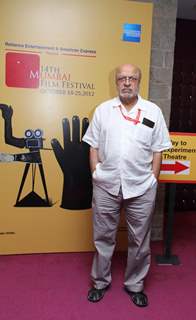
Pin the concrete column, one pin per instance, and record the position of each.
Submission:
(161, 71)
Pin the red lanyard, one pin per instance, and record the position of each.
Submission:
(136, 120)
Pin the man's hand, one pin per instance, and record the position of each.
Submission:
(94, 159)
(156, 164)
(74, 162)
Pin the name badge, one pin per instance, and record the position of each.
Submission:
(148, 123)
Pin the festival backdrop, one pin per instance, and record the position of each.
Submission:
(57, 64)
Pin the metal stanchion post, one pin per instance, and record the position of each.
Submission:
(167, 258)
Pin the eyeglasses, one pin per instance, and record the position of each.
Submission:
(129, 79)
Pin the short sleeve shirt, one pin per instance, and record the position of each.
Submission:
(126, 148)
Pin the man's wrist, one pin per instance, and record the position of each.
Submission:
(94, 167)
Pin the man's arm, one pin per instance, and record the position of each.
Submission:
(94, 158)
(156, 163)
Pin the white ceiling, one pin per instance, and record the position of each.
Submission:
(186, 9)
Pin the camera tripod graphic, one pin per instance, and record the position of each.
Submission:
(34, 142)
(32, 199)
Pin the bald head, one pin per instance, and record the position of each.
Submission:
(128, 69)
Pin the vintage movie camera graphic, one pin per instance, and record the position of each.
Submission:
(32, 140)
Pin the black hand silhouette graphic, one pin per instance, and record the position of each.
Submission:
(74, 163)
(7, 113)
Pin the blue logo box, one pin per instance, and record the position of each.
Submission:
(131, 32)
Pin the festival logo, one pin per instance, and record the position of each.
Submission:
(24, 70)
(19, 67)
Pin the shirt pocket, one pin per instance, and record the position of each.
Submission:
(143, 135)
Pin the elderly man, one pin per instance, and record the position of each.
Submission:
(126, 136)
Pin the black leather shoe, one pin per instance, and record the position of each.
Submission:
(95, 295)
(140, 299)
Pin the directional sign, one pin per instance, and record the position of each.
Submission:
(174, 167)
(179, 162)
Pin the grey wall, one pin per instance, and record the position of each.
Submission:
(161, 71)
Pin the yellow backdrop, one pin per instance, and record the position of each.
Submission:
(76, 45)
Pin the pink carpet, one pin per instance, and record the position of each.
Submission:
(54, 286)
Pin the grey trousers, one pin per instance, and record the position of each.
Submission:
(106, 215)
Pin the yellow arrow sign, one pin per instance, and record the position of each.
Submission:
(179, 162)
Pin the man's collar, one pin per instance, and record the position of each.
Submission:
(139, 104)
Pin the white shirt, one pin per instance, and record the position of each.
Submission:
(126, 149)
